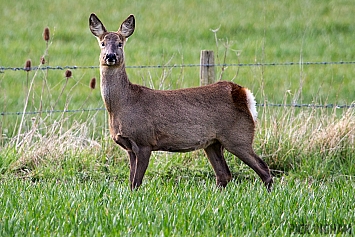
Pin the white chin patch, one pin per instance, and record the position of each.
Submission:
(110, 63)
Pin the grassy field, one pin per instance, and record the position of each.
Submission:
(61, 175)
(176, 208)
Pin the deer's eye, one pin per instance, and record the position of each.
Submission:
(120, 44)
(102, 44)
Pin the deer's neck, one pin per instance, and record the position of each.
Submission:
(115, 86)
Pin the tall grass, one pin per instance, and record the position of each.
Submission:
(315, 141)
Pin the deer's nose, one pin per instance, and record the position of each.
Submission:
(110, 57)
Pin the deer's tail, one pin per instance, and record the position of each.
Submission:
(244, 100)
(251, 104)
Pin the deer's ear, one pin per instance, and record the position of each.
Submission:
(127, 27)
(96, 26)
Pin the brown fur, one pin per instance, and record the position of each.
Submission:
(213, 117)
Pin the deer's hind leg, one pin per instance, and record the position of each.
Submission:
(214, 153)
(245, 152)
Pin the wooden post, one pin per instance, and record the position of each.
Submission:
(207, 69)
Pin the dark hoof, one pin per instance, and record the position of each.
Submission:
(268, 184)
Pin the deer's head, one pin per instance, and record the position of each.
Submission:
(111, 43)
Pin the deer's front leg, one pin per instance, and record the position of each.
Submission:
(141, 159)
(133, 152)
(132, 166)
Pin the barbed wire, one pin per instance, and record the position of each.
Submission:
(2, 68)
(51, 111)
(314, 106)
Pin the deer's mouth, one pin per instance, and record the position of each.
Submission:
(110, 63)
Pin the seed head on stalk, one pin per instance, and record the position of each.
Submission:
(93, 83)
(68, 73)
(28, 65)
(46, 36)
(28, 69)
(43, 60)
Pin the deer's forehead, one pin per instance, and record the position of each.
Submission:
(112, 36)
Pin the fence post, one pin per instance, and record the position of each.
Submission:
(207, 69)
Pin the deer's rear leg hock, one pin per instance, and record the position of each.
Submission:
(248, 156)
(214, 153)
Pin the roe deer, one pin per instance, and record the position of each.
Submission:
(141, 120)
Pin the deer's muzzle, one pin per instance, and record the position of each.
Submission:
(111, 59)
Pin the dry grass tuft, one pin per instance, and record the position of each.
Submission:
(49, 143)
(289, 135)
(335, 133)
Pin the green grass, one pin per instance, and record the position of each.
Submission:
(175, 208)
(61, 175)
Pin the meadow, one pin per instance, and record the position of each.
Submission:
(61, 175)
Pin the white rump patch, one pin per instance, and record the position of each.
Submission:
(251, 104)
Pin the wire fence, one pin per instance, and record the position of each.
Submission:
(3, 69)
(51, 111)
(315, 106)
(328, 106)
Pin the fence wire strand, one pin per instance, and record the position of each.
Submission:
(3, 69)
(51, 111)
(314, 106)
